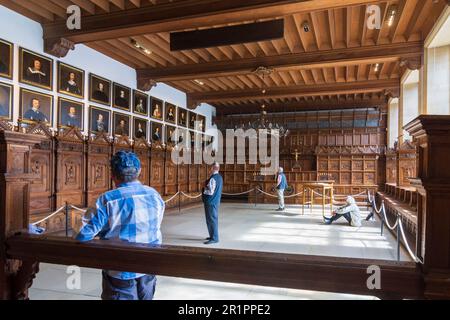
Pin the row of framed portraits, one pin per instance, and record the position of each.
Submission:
(37, 70)
(38, 107)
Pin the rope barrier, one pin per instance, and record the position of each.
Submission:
(191, 197)
(78, 209)
(238, 194)
(50, 216)
(398, 225)
(173, 197)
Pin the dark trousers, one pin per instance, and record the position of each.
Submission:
(142, 288)
(212, 221)
(347, 217)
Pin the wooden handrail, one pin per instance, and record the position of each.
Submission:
(317, 273)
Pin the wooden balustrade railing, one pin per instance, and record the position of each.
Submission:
(318, 273)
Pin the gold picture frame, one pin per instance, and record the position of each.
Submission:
(6, 53)
(76, 88)
(35, 69)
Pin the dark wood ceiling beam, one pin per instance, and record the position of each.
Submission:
(182, 15)
(297, 61)
(326, 104)
(295, 91)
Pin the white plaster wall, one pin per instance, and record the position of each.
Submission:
(410, 105)
(438, 101)
(27, 33)
(393, 122)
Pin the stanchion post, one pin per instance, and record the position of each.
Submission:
(398, 237)
(179, 202)
(382, 215)
(256, 196)
(67, 219)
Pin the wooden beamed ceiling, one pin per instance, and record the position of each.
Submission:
(339, 61)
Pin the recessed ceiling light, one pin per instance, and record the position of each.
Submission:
(392, 13)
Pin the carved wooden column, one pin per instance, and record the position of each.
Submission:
(432, 136)
(15, 178)
(391, 166)
(157, 168)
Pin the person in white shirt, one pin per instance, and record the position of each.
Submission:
(350, 212)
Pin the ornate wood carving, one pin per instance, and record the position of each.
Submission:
(142, 149)
(406, 163)
(432, 136)
(99, 148)
(58, 47)
(15, 178)
(146, 84)
(71, 168)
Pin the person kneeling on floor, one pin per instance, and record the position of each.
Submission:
(350, 212)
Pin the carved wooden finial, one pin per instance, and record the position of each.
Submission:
(414, 63)
(58, 47)
(146, 84)
(392, 93)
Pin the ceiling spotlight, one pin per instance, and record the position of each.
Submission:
(137, 45)
(392, 13)
(264, 91)
(377, 67)
(306, 26)
(199, 82)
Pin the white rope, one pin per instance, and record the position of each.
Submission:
(294, 195)
(267, 194)
(78, 209)
(238, 194)
(174, 196)
(191, 197)
(50, 216)
(405, 241)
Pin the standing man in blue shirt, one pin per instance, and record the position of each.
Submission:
(281, 186)
(212, 195)
(131, 213)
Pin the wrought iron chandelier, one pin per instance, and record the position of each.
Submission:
(263, 123)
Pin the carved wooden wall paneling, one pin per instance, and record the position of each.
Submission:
(70, 168)
(98, 167)
(157, 176)
(142, 149)
(406, 163)
(171, 178)
(42, 188)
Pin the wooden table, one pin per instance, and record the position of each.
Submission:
(325, 187)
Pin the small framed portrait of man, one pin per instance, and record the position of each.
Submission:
(35, 69)
(140, 103)
(171, 112)
(35, 107)
(99, 90)
(157, 132)
(192, 119)
(201, 123)
(6, 59)
(157, 108)
(99, 120)
(171, 135)
(122, 124)
(6, 101)
(70, 80)
(70, 114)
(140, 128)
(122, 97)
(182, 117)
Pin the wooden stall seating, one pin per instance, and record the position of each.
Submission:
(68, 167)
(401, 201)
(322, 146)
